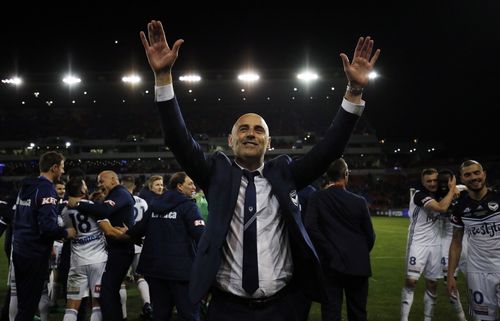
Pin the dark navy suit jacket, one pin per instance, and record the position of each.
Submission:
(220, 181)
(340, 226)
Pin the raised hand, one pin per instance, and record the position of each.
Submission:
(362, 63)
(160, 57)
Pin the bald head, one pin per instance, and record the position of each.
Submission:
(107, 180)
(250, 118)
(249, 140)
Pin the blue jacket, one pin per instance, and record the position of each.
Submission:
(172, 227)
(220, 181)
(341, 228)
(118, 207)
(35, 219)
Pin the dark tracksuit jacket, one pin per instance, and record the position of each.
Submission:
(172, 227)
(34, 230)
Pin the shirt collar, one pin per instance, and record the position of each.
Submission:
(260, 169)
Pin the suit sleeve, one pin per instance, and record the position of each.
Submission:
(367, 226)
(315, 162)
(180, 141)
(46, 200)
(105, 209)
(312, 224)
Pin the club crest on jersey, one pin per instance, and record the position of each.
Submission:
(110, 202)
(294, 197)
(49, 200)
(493, 206)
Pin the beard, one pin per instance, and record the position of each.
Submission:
(476, 189)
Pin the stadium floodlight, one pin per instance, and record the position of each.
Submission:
(67, 144)
(249, 77)
(131, 79)
(373, 75)
(71, 80)
(190, 78)
(16, 81)
(307, 76)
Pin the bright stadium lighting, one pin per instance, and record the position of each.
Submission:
(372, 75)
(16, 81)
(131, 79)
(190, 78)
(249, 77)
(71, 80)
(308, 76)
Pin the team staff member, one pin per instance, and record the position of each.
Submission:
(255, 241)
(341, 229)
(35, 229)
(172, 227)
(118, 208)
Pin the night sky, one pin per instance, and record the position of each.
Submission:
(438, 69)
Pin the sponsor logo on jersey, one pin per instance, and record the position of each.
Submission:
(294, 197)
(170, 215)
(467, 210)
(493, 206)
(110, 202)
(21, 202)
(87, 239)
(487, 228)
(49, 200)
(199, 222)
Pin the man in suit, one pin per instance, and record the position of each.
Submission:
(255, 250)
(341, 229)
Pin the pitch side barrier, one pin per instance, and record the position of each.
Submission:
(401, 212)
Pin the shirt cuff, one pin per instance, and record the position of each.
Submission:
(164, 93)
(353, 108)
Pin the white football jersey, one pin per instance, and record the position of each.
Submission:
(481, 223)
(89, 245)
(425, 226)
(140, 208)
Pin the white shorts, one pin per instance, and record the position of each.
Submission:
(426, 260)
(85, 277)
(484, 294)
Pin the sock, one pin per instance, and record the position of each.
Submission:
(43, 306)
(123, 300)
(429, 303)
(457, 306)
(55, 293)
(13, 304)
(406, 302)
(143, 287)
(70, 315)
(96, 314)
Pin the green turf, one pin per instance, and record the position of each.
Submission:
(385, 285)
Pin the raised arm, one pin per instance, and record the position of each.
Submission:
(161, 58)
(358, 70)
(443, 205)
(316, 161)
